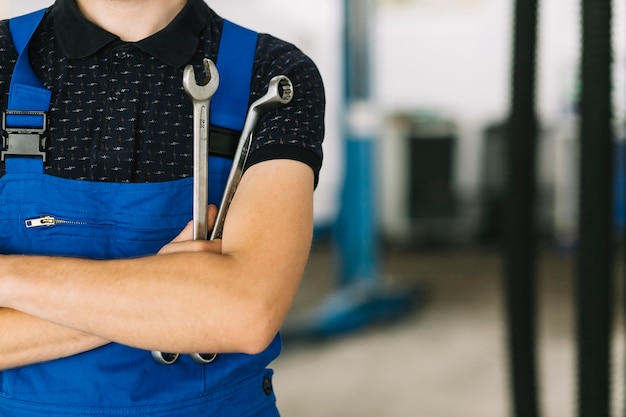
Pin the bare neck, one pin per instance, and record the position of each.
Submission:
(131, 20)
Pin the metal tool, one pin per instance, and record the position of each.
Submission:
(279, 92)
(201, 95)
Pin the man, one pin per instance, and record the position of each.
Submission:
(114, 277)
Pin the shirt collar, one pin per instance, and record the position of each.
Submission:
(175, 45)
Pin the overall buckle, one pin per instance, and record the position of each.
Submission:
(24, 140)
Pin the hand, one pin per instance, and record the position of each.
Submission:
(184, 241)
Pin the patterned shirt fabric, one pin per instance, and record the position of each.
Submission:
(119, 112)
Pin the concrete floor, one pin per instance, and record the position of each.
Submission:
(448, 357)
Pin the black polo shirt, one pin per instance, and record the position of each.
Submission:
(119, 112)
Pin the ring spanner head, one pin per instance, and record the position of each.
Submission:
(279, 91)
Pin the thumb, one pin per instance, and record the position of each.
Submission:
(185, 234)
(212, 216)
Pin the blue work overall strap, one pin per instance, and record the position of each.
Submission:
(235, 61)
(229, 105)
(26, 93)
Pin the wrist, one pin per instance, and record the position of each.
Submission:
(9, 279)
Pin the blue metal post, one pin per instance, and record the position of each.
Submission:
(361, 296)
(356, 231)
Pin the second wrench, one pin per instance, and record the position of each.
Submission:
(279, 92)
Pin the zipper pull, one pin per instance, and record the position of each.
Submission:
(47, 221)
(41, 221)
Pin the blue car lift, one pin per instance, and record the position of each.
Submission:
(362, 297)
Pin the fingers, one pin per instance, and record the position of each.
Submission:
(210, 246)
(212, 215)
(184, 241)
(187, 232)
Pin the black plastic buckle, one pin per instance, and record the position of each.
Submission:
(24, 141)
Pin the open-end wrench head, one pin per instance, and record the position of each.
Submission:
(207, 88)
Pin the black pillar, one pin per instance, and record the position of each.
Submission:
(520, 245)
(594, 263)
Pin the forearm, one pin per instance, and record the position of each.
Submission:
(194, 301)
(27, 340)
(153, 303)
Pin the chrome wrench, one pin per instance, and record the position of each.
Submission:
(201, 95)
(279, 92)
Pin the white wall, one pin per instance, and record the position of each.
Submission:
(10, 8)
(449, 59)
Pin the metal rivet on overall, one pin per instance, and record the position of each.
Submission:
(267, 385)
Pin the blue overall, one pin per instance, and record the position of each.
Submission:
(113, 220)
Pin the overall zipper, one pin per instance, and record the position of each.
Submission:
(48, 221)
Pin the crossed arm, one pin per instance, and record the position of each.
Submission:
(194, 296)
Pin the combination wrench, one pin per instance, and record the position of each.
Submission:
(201, 95)
(279, 92)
